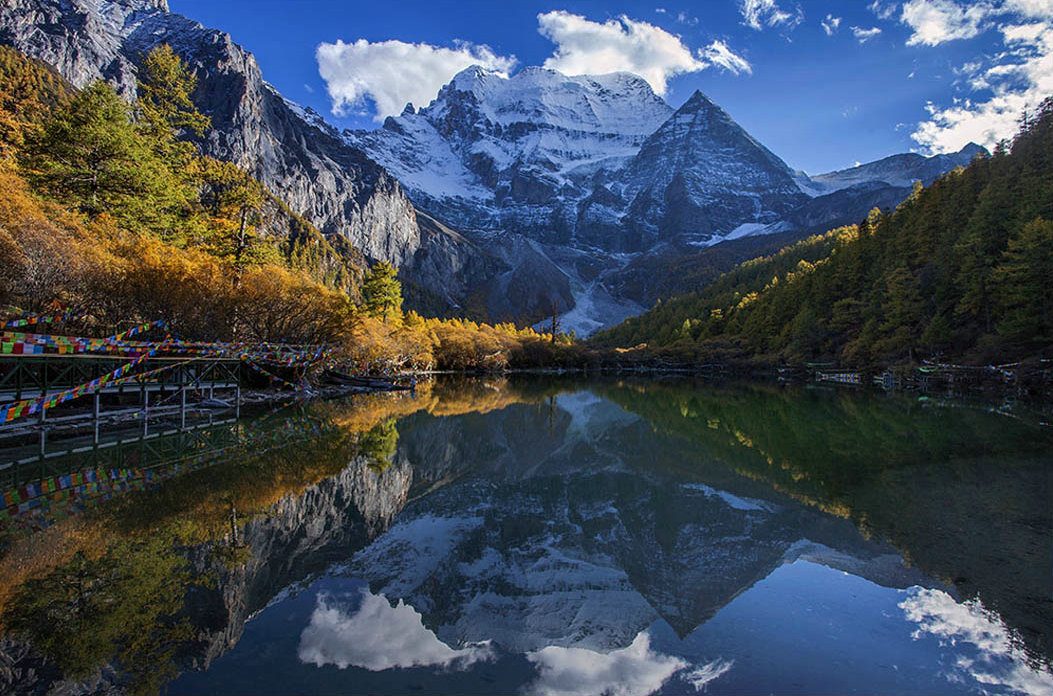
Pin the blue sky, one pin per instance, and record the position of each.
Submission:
(822, 84)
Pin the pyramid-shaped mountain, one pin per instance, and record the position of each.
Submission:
(701, 174)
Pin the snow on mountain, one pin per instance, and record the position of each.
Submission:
(423, 161)
(509, 152)
(898, 170)
(701, 174)
(586, 160)
(619, 102)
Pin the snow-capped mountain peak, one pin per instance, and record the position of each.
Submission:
(615, 103)
(702, 175)
(494, 151)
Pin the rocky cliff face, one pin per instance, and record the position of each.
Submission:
(302, 160)
(701, 176)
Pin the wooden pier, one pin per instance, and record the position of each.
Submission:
(185, 396)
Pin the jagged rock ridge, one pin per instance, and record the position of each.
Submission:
(597, 161)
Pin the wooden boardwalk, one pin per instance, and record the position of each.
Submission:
(184, 396)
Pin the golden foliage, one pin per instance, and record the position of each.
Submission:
(212, 270)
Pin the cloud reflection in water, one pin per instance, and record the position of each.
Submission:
(377, 636)
(1000, 661)
(635, 669)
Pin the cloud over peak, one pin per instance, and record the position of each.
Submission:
(718, 53)
(382, 76)
(587, 47)
(392, 73)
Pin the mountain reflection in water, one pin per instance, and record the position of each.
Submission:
(558, 536)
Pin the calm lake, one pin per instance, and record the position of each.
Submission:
(545, 536)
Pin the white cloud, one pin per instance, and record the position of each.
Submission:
(999, 659)
(635, 669)
(882, 11)
(864, 35)
(1030, 9)
(1018, 81)
(377, 636)
(758, 13)
(586, 47)
(830, 24)
(936, 21)
(685, 18)
(718, 53)
(392, 73)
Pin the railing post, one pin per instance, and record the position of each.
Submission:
(146, 403)
(95, 416)
(182, 397)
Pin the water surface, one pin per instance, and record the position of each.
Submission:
(555, 536)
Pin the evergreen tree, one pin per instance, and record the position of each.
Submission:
(91, 155)
(234, 201)
(165, 115)
(382, 292)
(1023, 284)
(165, 107)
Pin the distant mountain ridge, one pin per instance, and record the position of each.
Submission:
(899, 170)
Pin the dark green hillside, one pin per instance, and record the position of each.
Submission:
(960, 270)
